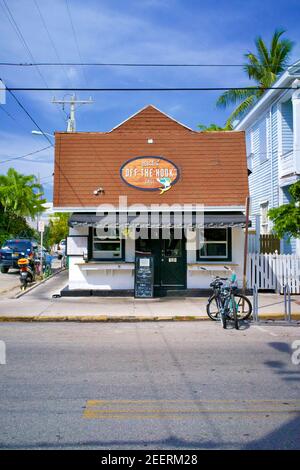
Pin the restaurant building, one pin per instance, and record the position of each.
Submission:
(152, 202)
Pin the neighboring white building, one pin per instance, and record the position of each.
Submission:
(272, 129)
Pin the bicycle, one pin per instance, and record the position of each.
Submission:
(240, 307)
(47, 271)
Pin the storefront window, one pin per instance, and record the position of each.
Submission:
(106, 244)
(216, 245)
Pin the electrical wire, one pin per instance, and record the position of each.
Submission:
(16, 28)
(29, 115)
(75, 38)
(47, 177)
(118, 64)
(50, 39)
(51, 144)
(26, 155)
(252, 88)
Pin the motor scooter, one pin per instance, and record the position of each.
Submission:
(27, 272)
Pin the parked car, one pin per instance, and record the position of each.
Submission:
(14, 249)
(61, 248)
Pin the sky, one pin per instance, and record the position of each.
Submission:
(152, 31)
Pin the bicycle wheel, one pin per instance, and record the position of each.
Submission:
(234, 312)
(212, 308)
(223, 318)
(243, 307)
(47, 271)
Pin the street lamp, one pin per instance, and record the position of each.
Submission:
(41, 133)
(39, 225)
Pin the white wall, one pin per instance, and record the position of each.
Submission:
(198, 279)
(104, 275)
(110, 276)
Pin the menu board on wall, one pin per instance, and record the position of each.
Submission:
(144, 276)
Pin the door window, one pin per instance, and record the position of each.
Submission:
(172, 248)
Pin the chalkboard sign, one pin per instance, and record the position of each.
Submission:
(144, 275)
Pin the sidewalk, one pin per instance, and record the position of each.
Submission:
(38, 305)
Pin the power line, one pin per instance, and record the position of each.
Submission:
(75, 38)
(16, 28)
(50, 38)
(2, 108)
(8, 114)
(29, 115)
(119, 64)
(47, 177)
(51, 145)
(26, 155)
(252, 88)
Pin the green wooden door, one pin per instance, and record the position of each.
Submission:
(173, 263)
(169, 261)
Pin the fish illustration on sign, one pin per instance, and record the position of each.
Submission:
(166, 182)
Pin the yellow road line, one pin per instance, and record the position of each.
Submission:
(163, 412)
(112, 409)
(99, 402)
(185, 415)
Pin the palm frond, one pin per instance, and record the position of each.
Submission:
(262, 51)
(274, 43)
(241, 109)
(233, 97)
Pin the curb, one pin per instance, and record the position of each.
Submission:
(20, 294)
(97, 318)
(122, 319)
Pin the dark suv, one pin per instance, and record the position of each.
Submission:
(14, 249)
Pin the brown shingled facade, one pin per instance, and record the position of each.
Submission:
(213, 169)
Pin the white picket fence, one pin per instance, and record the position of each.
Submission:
(273, 271)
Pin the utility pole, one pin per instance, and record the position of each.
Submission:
(73, 103)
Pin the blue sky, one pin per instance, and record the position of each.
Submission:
(165, 31)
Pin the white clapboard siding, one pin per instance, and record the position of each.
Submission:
(273, 271)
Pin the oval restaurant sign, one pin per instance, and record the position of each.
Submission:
(150, 173)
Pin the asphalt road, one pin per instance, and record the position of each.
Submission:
(148, 386)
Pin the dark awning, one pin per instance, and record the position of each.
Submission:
(214, 220)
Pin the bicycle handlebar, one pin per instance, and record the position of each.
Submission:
(233, 276)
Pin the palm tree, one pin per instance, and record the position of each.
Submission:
(262, 67)
(213, 128)
(20, 194)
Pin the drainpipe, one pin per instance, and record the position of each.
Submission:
(246, 244)
(296, 125)
(296, 130)
(271, 156)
